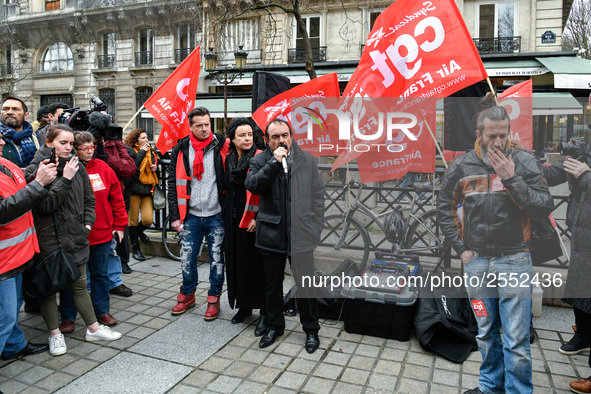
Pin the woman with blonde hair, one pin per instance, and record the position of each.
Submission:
(141, 187)
(69, 208)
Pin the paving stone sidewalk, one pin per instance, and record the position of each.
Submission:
(160, 353)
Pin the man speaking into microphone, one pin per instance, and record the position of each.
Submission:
(289, 223)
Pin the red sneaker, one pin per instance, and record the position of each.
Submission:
(67, 327)
(213, 308)
(107, 320)
(185, 301)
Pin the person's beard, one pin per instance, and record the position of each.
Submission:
(12, 122)
(484, 152)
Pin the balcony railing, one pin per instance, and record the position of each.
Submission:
(106, 61)
(56, 65)
(5, 70)
(144, 58)
(498, 44)
(181, 54)
(227, 58)
(298, 55)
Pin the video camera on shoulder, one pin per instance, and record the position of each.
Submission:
(577, 148)
(100, 124)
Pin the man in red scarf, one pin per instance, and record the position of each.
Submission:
(195, 197)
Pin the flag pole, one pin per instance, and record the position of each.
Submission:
(436, 144)
(492, 90)
(133, 117)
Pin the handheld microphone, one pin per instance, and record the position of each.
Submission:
(284, 159)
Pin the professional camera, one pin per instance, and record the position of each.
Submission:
(96, 104)
(577, 148)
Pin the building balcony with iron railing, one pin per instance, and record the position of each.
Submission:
(498, 44)
(298, 55)
(145, 58)
(6, 70)
(106, 61)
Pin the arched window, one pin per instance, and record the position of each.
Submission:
(57, 57)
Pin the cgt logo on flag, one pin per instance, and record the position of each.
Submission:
(173, 100)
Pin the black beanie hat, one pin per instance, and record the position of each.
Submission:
(237, 122)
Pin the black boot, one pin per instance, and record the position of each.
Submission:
(143, 237)
(135, 245)
(262, 326)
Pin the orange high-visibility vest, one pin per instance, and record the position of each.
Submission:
(18, 239)
(182, 178)
(181, 186)
(252, 206)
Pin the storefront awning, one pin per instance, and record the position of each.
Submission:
(513, 67)
(556, 103)
(546, 103)
(569, 72)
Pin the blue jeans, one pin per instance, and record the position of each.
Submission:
(99, 284)
(191, 237)
(505, 367)
(12, 338)
(114, 267)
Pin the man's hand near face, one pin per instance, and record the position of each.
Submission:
(503, 166)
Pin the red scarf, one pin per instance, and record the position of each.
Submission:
(199, 146)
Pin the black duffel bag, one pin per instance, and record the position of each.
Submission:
(51, 275)
(444, 322)
(545, 243)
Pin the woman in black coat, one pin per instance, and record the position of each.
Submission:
(244, 269)
(70, 207)
(577, 291)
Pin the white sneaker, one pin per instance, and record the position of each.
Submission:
(57, 345)
(103, 333)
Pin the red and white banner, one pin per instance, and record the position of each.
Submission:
(279, 107)
(397, 159)
(173, 100)
(417, 50)
(518, 102)
(414, 50)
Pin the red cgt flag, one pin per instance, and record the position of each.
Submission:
(312, 93)
(416, 49)
(173, 100)
(518, 102)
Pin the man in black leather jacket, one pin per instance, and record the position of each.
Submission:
(483, 209)
(289, 222)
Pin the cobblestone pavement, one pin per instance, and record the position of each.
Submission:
(161, 353)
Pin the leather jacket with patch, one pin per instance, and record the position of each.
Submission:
(478, 211)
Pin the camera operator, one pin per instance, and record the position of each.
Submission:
(54, 111)
(110, 149)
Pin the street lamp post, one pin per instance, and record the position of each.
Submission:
(224, 76)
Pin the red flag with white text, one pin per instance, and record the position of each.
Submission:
(416, 49)
(280, 107)
(173, 100)
(518, 102)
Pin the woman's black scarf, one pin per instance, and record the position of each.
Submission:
(239, 167)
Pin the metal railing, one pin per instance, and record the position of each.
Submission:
(298, 55)
(56, 65)
(145, 58)
(383, 196)
(181, 54)
(106, 61)
(498, 44)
